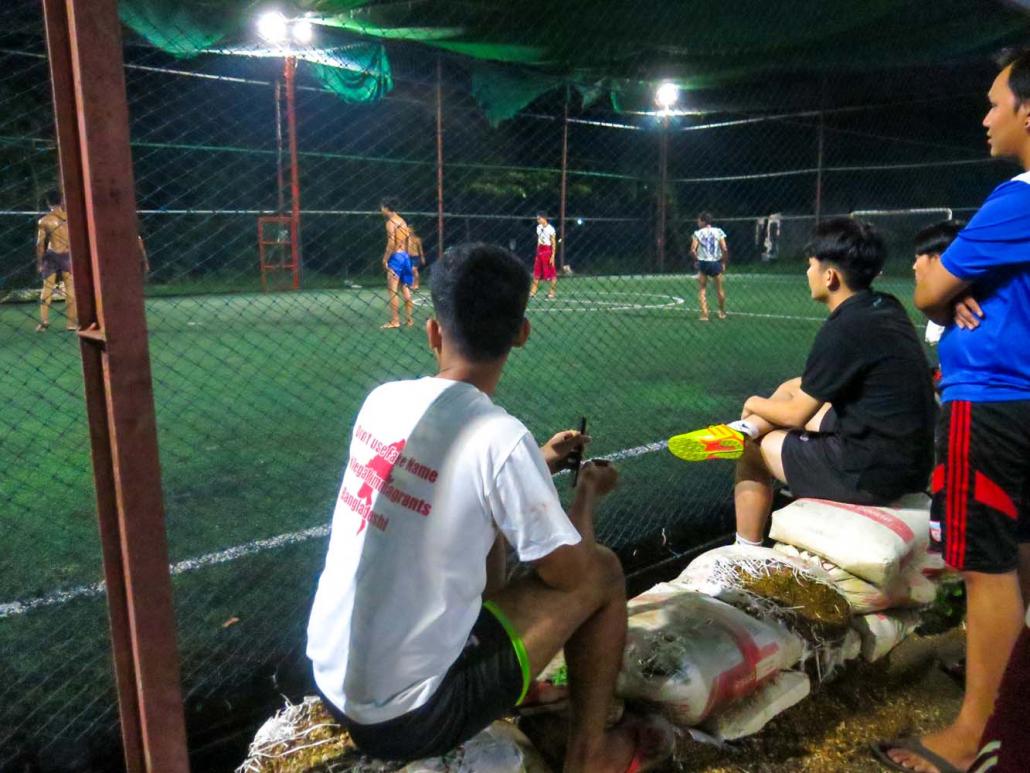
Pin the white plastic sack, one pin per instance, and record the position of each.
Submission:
(912, 588)
(883, 631)
(749, 715)
(874, 543)
(500, 748)
(707, 573)
(691, 654)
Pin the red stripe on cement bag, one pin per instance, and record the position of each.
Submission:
(753, 712)
(691, 654)
(874, 543)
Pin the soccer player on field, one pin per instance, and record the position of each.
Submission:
(53, 261)
(543, 263)
(980, 290)
(417, 638)
(418, 255)
(857, 426)
(711, 255)
(397, 264)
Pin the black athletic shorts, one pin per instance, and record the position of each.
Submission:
(710, 267)
(487, 680)
(981, 484)
(814, 465)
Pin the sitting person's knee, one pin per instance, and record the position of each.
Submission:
(606, 570)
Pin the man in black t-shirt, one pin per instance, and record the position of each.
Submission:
(857, 426)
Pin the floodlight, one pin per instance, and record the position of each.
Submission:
(667, 95)
(303, 31)
(579, 221)
(272, 27)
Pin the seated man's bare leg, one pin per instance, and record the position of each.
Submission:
(994, 619)
(814, 424)
(753, 489)
(590, 623)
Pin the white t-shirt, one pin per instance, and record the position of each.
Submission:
(708, 239)
(435, 471)
(544, 234)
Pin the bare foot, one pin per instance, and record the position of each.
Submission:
(950, 743)
(42, 326)
(643, 742)
(722, 315)
(390, 326)
(704, 317)
(410, 323)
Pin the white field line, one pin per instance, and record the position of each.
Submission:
(56, 598)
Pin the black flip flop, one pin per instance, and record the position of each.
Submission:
(914, 745)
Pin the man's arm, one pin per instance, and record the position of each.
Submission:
(793, 411)
(41, 240)
(725, 252)
(556, 450)
(564, 568)
(937, 291)
(143, 257)
(693, 247)
(391, 230)
(554, 246)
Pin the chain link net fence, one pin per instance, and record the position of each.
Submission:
(257, 383)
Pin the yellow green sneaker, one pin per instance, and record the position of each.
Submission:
(715, 442)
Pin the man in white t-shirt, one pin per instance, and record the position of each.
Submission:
(710, 253)
(416, 640)
(546, 249)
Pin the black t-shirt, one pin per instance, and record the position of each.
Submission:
(868, 363)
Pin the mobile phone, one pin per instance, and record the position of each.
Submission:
(576, 457)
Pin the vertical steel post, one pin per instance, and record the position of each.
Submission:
(289, 75)
(439, 158)
(819, 169)
(85, 53)
(564, 180)
(663, 174)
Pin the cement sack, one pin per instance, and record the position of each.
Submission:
(914, 588)
(749, 715)
(772, 587)
(883, 631)
(691, 654)
(873, 543)
(304, 737)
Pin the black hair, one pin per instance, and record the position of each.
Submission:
(853, 246)
(936, 238)
(1019, 76)
(705, 217)
(54, 197)
(390, 203)
(542, 214)
(479, 295)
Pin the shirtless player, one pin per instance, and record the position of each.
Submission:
(397, 264)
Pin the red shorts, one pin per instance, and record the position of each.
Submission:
(543, 268)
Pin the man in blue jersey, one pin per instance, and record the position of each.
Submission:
(981, 485)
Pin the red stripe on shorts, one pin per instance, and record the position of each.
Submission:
(957, 493)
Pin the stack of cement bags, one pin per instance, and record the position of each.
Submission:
(875, 556)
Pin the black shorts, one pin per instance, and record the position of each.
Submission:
(56, 263)
(813, 463)
(486, 681)
(710, 267)
(981, 485)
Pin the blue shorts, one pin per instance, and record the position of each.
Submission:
(710, 267)
(400, 264)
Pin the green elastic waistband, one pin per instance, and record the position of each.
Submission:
(517, 643)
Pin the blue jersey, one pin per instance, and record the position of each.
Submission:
(992, 253)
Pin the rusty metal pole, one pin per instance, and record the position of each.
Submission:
(289, 75)
(85, 53)
(564, 180)
(819, 170)
(663, 172)
(439, 158)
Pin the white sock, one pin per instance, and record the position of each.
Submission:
(740, 540)
(746, 427)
